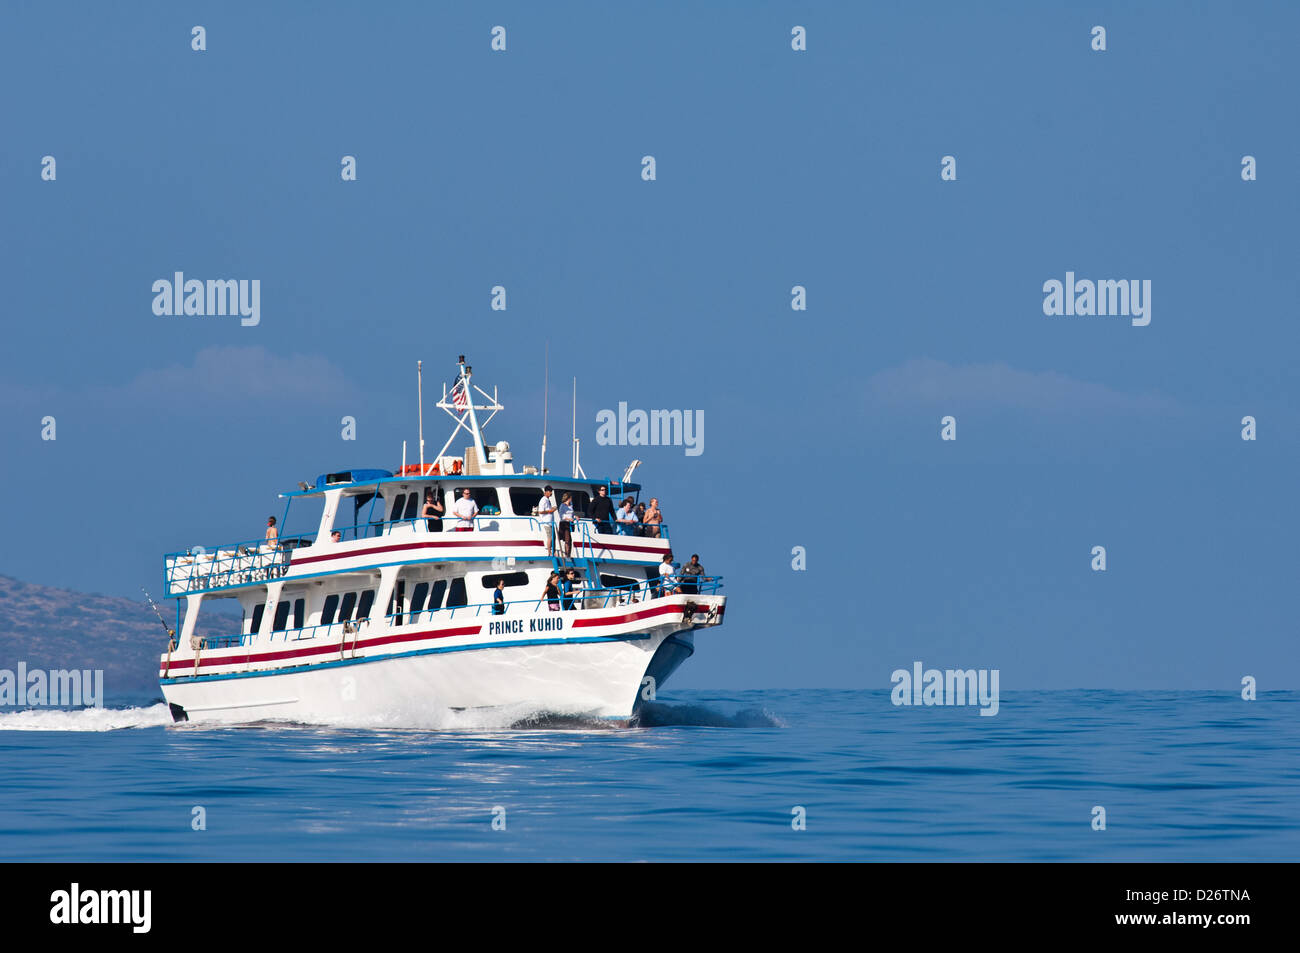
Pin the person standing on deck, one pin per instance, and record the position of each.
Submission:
(433, 510)
(499, 598)
(653, 517)
(546, 516)
(602, 508)
(566, 525)
(466, 509)
(272, 534)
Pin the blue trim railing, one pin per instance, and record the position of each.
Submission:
(603, 597)
(257, 561)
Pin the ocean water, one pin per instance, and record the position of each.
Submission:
(705, 776)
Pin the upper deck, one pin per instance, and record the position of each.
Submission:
(393, 531)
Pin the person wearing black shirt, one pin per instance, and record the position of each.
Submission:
(602, 508)
(691, 574)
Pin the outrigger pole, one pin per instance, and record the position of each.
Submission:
(171, 633)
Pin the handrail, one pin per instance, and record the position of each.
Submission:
(584, 598)
(256, 560)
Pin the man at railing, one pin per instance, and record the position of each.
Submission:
(691, 574)
(465, 509)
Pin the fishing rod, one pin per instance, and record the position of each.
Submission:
(171, 633)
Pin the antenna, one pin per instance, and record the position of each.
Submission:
(546, 396)
(419, 387)
(577, 467)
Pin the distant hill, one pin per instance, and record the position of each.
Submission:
(53, 628)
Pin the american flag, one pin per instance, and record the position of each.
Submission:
(458, 395)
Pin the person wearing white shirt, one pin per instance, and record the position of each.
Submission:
(666, 570)
(465, 509)
(546, 516)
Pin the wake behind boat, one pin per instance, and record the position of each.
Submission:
(461, 558)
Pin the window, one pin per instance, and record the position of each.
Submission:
(299, 613)
(281, 617)
(512, 579)
(349, 602)
(439, 590)
(524, 498)
(418, 598)
(363, 607)
(331, 607)
(580, 500)
(396, 601)
(412, 506)
(257, 618)
(458, 596)
(610, 581)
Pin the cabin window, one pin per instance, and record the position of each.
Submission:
(331, 607)
(580, 500)
(399, 503)
(349, 602)
(396, 601)
(512, 579)
(610, 581)
(299, 613)
(457, 596)
(418, 598)
(484, 496)
(412, 506)
(439, 590)
(257, 618)
(281, 617)
(363, 607)
(524, 498)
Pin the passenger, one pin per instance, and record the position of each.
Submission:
(640, 519)
(566, 526)
(499, 598)
(568, 582)
(691, 575)
(553, 592)
(626, 518)
(546, 516)
(666, 570)
(272, 534)
(602, 508)
(336, 537)
(433, 509)
(653, 517)
(466, 509)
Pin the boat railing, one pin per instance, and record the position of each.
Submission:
(252, 560)
(602, 597)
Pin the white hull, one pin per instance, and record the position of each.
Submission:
(595, 669)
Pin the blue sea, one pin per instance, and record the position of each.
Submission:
(719, 776)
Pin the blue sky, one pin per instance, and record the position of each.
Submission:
(775, 168)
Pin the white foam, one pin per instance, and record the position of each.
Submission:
(85, 719)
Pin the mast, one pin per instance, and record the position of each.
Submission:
(419, 388)
(465, 372)
(546, 396)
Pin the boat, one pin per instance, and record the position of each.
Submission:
(382, 615)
